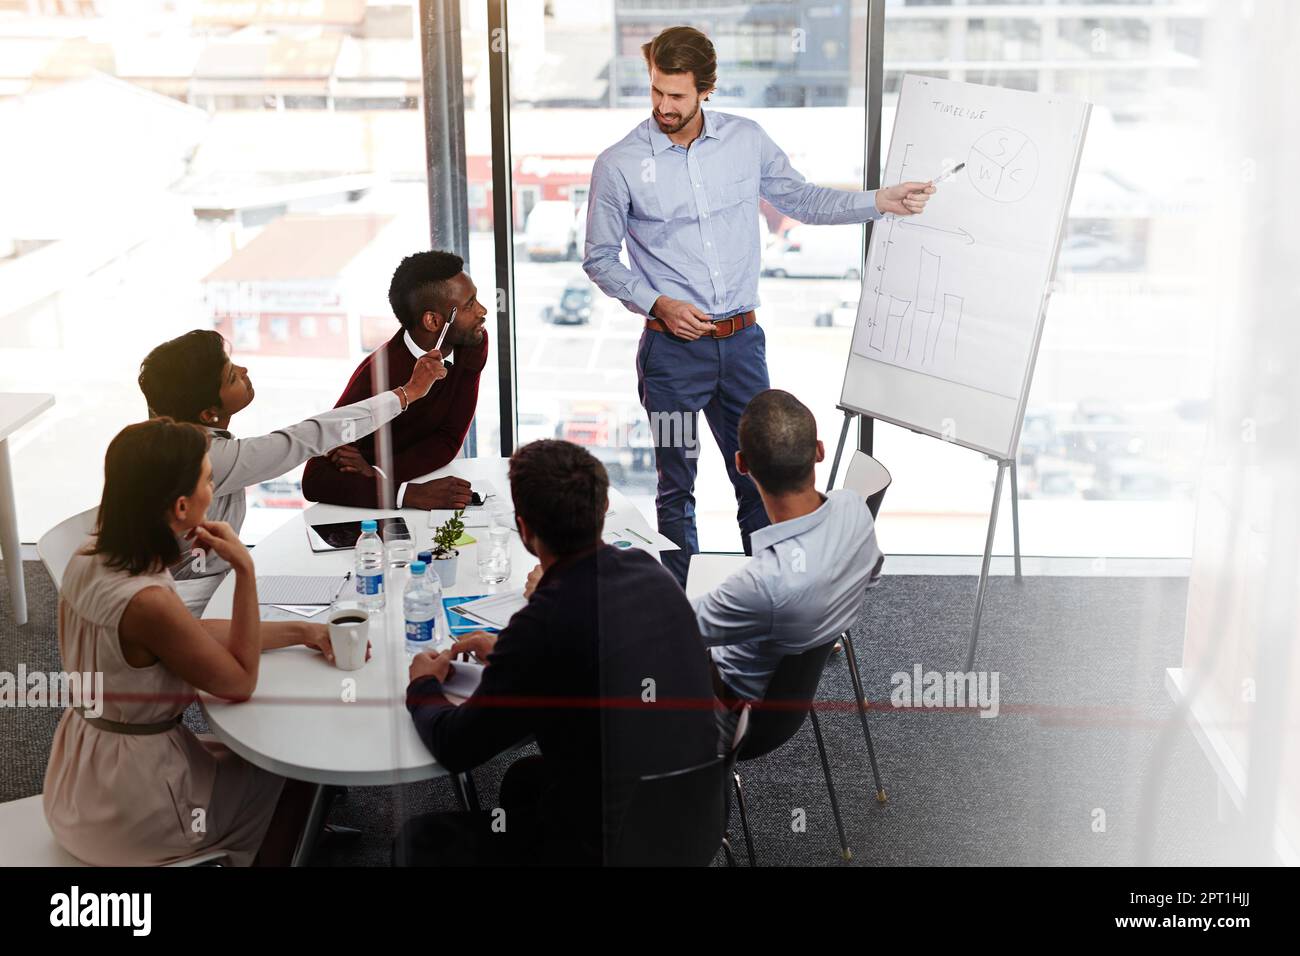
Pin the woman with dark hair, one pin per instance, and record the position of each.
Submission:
(192, 379)
(129, 784)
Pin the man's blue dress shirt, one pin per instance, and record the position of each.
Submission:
(690, 215)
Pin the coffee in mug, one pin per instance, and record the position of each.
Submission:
(349, 634)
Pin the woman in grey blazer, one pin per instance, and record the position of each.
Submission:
(192, 379)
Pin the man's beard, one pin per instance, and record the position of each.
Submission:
(469, 338)
(680, 124)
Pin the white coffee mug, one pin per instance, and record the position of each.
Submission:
(350, 638)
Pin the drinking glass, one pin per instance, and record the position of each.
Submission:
(494, 553)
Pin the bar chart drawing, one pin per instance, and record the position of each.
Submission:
(907, 330)
(915, 328)
(891, 329)
(927, 288)
(949, 321)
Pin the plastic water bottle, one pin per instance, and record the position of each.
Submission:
(426, 619)
(368, 567)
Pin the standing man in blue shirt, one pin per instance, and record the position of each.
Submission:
(682, 189)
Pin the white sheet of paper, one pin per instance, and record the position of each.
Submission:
(302, 610)
(464, 678)
(297, 589)
(495, 610)
(646, 539)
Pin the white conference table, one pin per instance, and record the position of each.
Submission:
(297, 723)
(16, 410)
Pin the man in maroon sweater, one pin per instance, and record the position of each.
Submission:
(428, 291)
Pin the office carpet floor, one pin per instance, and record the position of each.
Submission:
(1084, 749)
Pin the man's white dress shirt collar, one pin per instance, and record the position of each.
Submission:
(419, 352)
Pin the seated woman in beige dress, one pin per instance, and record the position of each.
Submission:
(134, 786)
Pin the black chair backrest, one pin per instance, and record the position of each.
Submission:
(783, 709)
(674, 819)
(679, 818)
(875, 501)
(740, 735)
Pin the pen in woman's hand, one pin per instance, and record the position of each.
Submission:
(445, 329)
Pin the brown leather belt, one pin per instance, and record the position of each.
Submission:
(134, 730)
(732, 325)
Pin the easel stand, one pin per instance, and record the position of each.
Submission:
(1004, 465)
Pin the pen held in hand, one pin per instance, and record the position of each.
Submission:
(445, 329)
(442, 336)
(949, 174)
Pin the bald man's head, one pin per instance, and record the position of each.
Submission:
(778, 440)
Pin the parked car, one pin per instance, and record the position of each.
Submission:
(534, 425)
(1084, 253)
(1130, 479)
(1038, 436)
(550, 234)
(1099, 432)
(1098, 412)
(595, 427)
(278, 493)
(574, 307)
(536, 421)
(828, 252)
(1056, 478)
(1056, 484)
(843, 312)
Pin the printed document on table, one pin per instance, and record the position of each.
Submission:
(621, 535)
(495, 610)
(299, 589)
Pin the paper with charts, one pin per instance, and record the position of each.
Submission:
(956, 292)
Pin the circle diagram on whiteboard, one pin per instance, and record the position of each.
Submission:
(1003, 165)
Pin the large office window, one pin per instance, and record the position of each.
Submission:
(1116, 423)
(256, 168)
(260, 169)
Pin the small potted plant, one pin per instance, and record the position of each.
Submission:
(445, 554)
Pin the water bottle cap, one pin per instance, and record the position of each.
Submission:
(417, 567)
(369, 525)
(426, 557)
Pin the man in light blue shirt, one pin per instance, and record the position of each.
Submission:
(811, 565)
(682, 191)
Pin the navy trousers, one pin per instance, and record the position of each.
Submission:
(677, 380)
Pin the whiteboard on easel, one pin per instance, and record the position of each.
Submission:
(953, 300)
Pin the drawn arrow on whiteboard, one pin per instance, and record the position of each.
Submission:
(959, 232)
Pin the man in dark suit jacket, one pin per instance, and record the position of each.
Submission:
(604, 667)
(429, 290)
